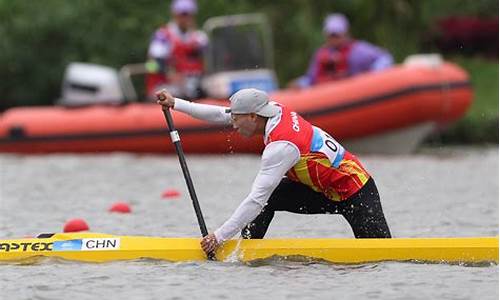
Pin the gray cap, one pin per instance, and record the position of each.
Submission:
(247, 101)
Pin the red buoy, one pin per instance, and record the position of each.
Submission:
(170, 193)
(120, 207)
(75, 225)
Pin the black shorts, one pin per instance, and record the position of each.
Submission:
(362, 210)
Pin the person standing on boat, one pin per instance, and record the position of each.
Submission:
(175, 55)
(322, 177)
(342, 56)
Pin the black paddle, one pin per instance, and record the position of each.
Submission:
(176, 140)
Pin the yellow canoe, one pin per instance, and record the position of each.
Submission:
(97, 247)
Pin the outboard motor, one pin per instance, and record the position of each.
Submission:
(88, 84)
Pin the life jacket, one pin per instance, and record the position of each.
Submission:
(324, 165)
(333, 64)
(186, 56)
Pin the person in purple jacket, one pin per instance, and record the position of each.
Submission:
(342, 56)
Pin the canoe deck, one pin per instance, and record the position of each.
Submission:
(94, 247)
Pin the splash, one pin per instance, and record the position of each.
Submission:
(235, 255)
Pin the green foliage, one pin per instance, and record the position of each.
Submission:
(39, 38)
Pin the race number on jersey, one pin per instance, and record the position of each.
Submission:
(326, 144)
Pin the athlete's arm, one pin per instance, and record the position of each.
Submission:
(278, 157)
(211, 113)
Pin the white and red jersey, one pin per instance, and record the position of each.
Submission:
(324, 165)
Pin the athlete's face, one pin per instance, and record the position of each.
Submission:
(336, 40)
(184, 20)
(244, 123)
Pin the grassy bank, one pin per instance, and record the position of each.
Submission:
(480, 124)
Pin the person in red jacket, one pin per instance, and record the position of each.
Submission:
(175, 55)
(322, 177)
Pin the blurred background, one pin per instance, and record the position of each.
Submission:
(40, 38)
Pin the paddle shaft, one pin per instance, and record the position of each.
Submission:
(174, 135)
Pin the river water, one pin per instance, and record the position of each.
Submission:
(446, 192)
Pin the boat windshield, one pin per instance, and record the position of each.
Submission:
(238, 44)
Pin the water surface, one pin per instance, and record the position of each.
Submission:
(449, 192)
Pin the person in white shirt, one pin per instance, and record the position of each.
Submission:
(321, 176)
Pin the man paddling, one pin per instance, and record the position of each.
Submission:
(321, 176)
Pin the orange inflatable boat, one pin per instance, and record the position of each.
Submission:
(385, 112)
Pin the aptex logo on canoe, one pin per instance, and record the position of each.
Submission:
(25, 246)
(88, 244)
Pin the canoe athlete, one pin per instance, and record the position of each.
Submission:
(322, 177)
